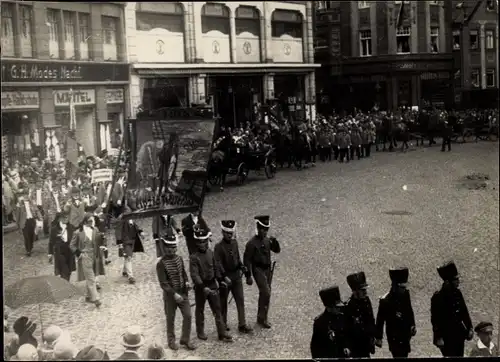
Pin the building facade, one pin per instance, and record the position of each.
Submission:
(475, 53)
(384, 53)
(232, 55)
(57, 54)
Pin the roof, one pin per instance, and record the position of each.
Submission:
(458, 14)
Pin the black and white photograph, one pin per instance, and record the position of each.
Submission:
(195, 180)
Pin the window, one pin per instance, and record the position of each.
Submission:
(109, 26)
(286, 22)
(69, 35)
(84, 27)
(473, 39)
(490, 78)
(26, 31)
(247, 20)
(363, 4)
(474, 78)
(403, 40)
(365, 43)
(434, 39)
(8, 48)
(323, 5)
(490, 40)
(53, 24)
(456, 39)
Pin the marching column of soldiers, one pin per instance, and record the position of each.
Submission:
(349, 329)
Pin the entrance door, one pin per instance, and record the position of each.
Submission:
(404, 92)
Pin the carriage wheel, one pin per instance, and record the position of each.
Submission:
(242, 174)
(270, 167)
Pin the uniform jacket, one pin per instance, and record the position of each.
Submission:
(187, 225)
(324, 139)
(368, 136)
(361, 324)
(165, 279)
(91, 248)
(228, 257)
(329, 336)
(20, 213)
(356, 139)
(480, 350)
(396, 312)
(449, 315)
(342, 140)
(59, 247)
(131, 239)
(258, 252)
(204, 269)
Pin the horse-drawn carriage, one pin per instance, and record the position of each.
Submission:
(237, 156)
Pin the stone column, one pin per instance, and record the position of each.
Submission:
(482, 44)
(188, 38)
(263, 39)
(135, 93)
(268, 13)
(130, 29)
(497, 68)
(354, 29)
(232, 34)
(310, 95)
(268, 86)
(198, 35)
(308, 38)
(96, 43)
(442, 31)
(42, 32)
(413, 28)
(391, 28)
(373, 28)
(428, 28)
(465, 54)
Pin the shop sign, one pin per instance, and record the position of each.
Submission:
(20, 100)
(114, 96)
(15, 71)
(102, 175)
(81, 97)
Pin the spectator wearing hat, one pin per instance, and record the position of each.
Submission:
(51, 336)
(484, 346)
(27, 216)
(25, 328)
(360, 319)
(228, 258)
(64, 350)
(257, 261)
(75, 209)
(86, 245)
(451, 323)
(92, 353)
(396, 312)
(130, 243)
(132, 340)
(173, 281)
(205, 274)
(27, 353)
(155, 351)
(329, 339)
(59, 247)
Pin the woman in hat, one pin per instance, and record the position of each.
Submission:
(59, 247)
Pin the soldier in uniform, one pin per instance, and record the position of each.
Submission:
(175, 285)
(329, 339)
(447, 134)
(356, 142)
(396, 312)
(228, 257)
(207, 278)
(343, 142)
(450, 317)
(189, 224)
(257, 260)
(360, 319)
(163, 225)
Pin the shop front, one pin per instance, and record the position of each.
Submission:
(37, 97)
(290, 90)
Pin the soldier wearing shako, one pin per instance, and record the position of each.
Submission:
(360, 319)
(450, 317)
(228, 257)
(396, 312)
(257, 260)
(162, 226)
(329, 339)
(175, 285)
(207, 278)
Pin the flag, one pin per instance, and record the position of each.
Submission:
(72, 112)
(399, 20)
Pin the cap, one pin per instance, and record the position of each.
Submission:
(483, 327)
(75, 191)
(399, 275)
(202, 234)
(331, 297)
(448, 271)
(228, 225)
(262, 220)
(357, 281)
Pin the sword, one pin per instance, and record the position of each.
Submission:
(271, 274)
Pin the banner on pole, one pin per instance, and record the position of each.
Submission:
(102, 175)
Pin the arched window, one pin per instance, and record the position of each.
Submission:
(168, 16)
(286, 22)
(215, 16)
(247, 20)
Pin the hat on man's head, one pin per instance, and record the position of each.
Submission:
(51, 334)
(262, 221)
(23, 324)
(75, 191)
(331, 297)
(65, 350)
(202, 234)
(399, 275)
(357, 281)
(91, 353)
(448, 271)
(133, 337)
(34, 159)
(228, 225)
(483, 327)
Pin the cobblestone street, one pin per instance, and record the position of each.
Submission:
(331, 220)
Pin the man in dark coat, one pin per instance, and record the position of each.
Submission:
(257, 260)
(329, 339)
(395, 310)
(189, 224)
(207, 278)
(447, 133)
(59, 247)
(27, 215)
(228, 257)
(360, 319)
(343, 142)
(130, 243)
(450, 317)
